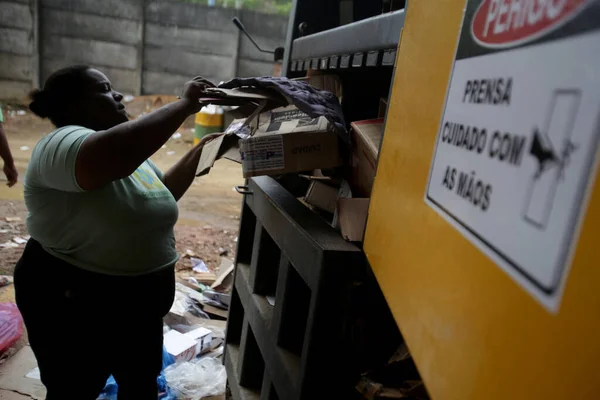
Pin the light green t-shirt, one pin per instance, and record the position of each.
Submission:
(1, 116)
(124, 228)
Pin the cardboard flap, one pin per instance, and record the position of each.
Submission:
(209, 155)
(353, 218)
(244, 95)
(371, 132)
(227, 145)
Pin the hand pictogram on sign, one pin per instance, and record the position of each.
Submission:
(551, 164)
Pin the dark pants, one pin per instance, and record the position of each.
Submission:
(85, 326)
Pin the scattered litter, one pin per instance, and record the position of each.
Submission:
(11, 325)
(222, 251)
(204, 278)
(191, 293)
(170, 152)
(198, 265)
(218, 352)
(24, 148)
(21, 112)
(6, 280)
(271, 300)
(207, 227)
(203, 338)
(224, 281)
(4, 231)
(208, 302)
(128, 98)
(215, 312)
(235, 240)
(9, 245)
(186, 300)
(193, 280)
(179, 346)
(164, 146)
(197, 379)
(176, 136)
(34, 374)
(19, 240)
(217, 299)
(189, 253)
(12, 219)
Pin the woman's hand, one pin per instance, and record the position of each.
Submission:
(193, 90)
(11, 174)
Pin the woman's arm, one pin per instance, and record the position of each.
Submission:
(9, 164)
(116, 153)
(181, 175)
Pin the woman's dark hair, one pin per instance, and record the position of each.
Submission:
(61, 88)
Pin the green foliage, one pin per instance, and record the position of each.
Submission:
(281, 7)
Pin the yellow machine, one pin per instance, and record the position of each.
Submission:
(478, 328)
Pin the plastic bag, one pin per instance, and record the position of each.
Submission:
(111, 389)
(196, 379)
(11, 325)
(187, 300)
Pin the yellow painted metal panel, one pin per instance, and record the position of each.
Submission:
(474, 333)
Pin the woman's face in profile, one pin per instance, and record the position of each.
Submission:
(100, 104)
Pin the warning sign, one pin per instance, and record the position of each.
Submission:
(517, 145)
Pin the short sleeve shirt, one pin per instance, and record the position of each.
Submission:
(124, 228)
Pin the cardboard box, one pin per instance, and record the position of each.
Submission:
(322, 196)
(276, 142)
(203, 338)
(366, 140)
(180, 346)
(288, 140)
(352, 214)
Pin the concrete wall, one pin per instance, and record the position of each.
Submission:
(144, 46)
(183, 40)
(106, 34)
(18, 47)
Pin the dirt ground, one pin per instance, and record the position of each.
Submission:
(209, 212)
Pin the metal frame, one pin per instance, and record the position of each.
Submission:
(294, 349)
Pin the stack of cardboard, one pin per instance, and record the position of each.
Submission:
(349, 201)
(366, 141)
(272, 139)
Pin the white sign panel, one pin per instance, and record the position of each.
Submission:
(516, 150)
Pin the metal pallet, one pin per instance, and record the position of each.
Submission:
(295, 349)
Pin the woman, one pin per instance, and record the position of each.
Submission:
(97, 276)
(10, 171)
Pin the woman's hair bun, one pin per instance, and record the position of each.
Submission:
(39, 103)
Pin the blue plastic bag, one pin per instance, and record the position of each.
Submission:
(111, 389)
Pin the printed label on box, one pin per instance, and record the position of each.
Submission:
(263, 153)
